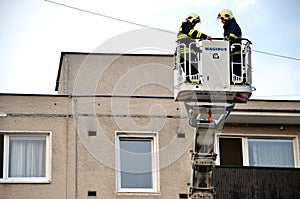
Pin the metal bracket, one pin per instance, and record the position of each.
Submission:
(215, 114)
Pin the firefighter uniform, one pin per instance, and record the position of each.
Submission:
(233, 33)
(186, 35)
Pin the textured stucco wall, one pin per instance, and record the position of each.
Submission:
(95, 88)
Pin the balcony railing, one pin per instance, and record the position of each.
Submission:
(256, 182)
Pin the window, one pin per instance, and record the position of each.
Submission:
(231, 151)
(271, 152)
(26, 157)
(263, 151)
(137, 162)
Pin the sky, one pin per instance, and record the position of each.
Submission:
(33, 33)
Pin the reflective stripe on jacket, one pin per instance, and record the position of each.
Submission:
(233, 32)
(187, 34)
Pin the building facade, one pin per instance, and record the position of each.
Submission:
(115, 131)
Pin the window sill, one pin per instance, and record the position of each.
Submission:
(25, 181)
(155, 194)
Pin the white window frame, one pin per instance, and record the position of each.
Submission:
(245, 147)
(153, 136)
(6, 178)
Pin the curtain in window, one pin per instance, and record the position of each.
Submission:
(271, 152)
(27, 156)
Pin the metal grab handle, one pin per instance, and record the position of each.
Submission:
(239, 39)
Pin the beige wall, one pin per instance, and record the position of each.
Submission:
(94, 156)
(116, 74)
(92, 85)
(34, 114)
(95, 163)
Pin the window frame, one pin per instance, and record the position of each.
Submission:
(6, 178)
(153, 136)
(245, 147)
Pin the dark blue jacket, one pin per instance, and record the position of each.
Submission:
(188, 34)
(232, 30)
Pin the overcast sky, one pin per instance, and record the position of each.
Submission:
(33, 34)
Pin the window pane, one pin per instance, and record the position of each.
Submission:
(231, 151)
(27, 156)
(136, 163)
(271, 152)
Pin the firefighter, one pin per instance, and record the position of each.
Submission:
(233, 33)
(186, 35)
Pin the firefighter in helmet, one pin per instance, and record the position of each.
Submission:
(186, 35)
(233, 33)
